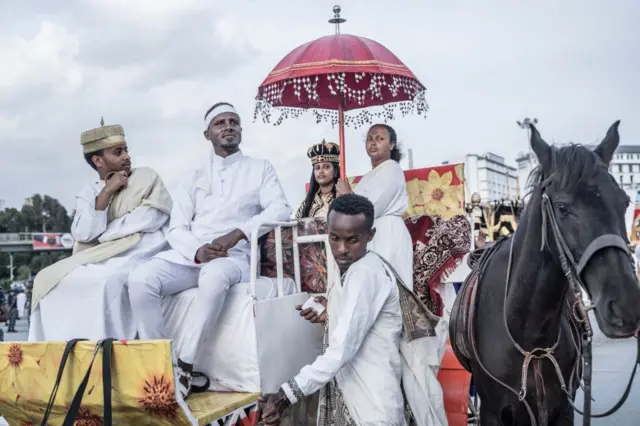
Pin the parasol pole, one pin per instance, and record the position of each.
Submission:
(337, 20)
(343, 160)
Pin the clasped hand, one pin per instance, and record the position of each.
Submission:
(116, 181)
(219, 247)
(274, 406)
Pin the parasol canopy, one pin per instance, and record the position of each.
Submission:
(337, 74)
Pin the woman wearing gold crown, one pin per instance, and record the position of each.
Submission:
(325, 160)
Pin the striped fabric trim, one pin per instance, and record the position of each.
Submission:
(293, 392)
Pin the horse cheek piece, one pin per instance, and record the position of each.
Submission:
(545, 300)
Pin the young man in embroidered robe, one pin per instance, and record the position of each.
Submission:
(368, 318)
(118, 225)
(215, 212)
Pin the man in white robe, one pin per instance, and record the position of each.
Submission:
(118, 225)
(364, 371)
(215, 212)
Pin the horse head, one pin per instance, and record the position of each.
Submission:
(584, 222)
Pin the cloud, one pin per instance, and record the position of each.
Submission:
(157, 66)
(45, 61)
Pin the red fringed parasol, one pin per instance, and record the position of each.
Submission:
(339, 73)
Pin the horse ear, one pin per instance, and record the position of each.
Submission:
(540, 148)
(609, 144)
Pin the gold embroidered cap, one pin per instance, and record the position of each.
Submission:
(102, 137)
(323, 152)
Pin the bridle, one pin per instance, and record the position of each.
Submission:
(582, 337)
(573, 272)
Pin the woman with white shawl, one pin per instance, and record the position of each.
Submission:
(385, 187)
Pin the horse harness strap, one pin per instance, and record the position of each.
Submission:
(537, 354)
(462, 325)
(601, 242)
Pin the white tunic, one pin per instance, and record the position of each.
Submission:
(365, 324)
(236, 192)
(385, 187)
(92, 301)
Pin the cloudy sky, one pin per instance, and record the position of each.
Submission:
(157, 66)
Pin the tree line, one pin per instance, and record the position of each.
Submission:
(38, 214)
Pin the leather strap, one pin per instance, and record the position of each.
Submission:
(65, 355)
(107, 357)
(603, 241)
(74, 408)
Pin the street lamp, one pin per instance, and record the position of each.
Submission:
(473, 210)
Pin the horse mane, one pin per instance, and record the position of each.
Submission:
(572, 167)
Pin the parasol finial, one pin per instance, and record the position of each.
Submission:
(337, 20)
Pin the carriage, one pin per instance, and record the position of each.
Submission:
(288, 264)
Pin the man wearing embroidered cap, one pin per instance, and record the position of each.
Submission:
(215, 212)
(117, 225)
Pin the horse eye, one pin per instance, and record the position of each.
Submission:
(562, 208)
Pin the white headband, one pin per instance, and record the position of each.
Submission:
(217, 111)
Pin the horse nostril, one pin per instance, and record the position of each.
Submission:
(615, 314)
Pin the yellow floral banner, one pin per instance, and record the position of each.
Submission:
(143, 391)
(433, 190)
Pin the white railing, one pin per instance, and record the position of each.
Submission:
(16, 237)
(296, 241)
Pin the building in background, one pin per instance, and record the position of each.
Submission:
(526, 163)
(625, 166)
(490, 176)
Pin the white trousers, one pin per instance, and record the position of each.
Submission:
(157, 278)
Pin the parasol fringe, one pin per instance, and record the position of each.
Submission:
(412, 93)
(352, 120)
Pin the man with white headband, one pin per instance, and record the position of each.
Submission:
(117, 225)
(215, 212)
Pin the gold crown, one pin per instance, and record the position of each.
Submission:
(324, 152)
(102, 137)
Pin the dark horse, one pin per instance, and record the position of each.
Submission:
(517, 318)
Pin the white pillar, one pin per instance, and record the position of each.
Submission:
(11, 266)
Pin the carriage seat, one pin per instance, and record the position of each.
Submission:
(228, 356)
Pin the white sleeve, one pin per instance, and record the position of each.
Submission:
(88, 223)
(365, 294)
(179, 235)
(142, 219)
(275, 207)
(387, 191)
